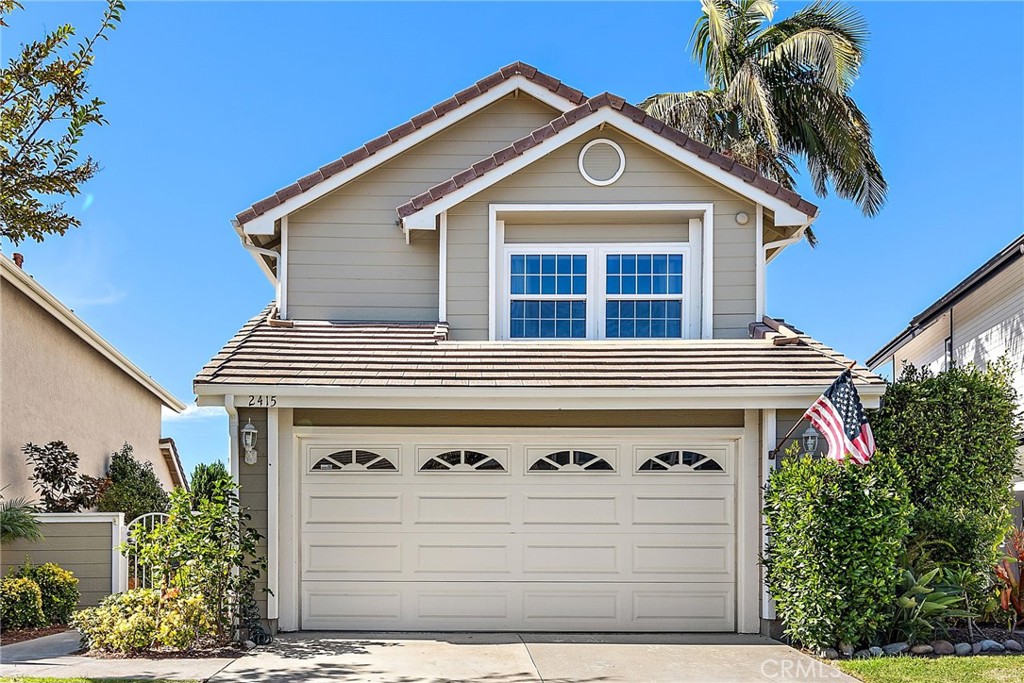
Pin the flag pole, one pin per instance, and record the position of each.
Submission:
(772, 454)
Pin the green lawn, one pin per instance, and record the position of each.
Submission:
(987, 669)
(33, 679)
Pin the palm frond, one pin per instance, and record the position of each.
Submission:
(18, 521)
(697, 113)
(711, 36)
(749, 93)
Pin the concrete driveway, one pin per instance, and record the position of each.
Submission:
(525, 658)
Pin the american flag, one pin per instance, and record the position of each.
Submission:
(839, 415)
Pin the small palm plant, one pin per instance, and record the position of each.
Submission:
(18, 521)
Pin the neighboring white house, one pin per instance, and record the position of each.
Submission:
(517, 374)
(978, 321)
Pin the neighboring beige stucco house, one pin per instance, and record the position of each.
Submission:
(517, 374)
(978, 321)
(61, 381)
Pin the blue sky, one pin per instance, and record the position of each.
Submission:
(214, 105)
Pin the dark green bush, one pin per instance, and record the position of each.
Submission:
(21, 603)
(134, 488)
(954, 435)
(836, 534)
(58, 586)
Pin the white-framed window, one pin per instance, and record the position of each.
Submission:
(598, 291)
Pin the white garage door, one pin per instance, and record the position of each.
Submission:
(537, 531)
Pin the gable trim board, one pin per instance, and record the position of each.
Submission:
(260, 217)
(420, 212)
(24, 283)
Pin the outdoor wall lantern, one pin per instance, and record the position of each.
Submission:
(249, 443)
(809, 439)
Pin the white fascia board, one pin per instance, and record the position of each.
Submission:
(64, 315)
(531, 398)
(784, 214)
(264, 224)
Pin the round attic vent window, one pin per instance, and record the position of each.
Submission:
(602, 162)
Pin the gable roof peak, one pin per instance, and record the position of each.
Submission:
(571, 95)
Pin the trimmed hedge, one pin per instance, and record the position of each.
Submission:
(954, 434)
(836, 534)
(21, 603)
(58, 586)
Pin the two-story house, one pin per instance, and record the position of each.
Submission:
(517, 374)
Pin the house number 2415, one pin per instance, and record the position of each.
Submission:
(262, 401)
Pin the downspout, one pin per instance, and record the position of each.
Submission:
(229, 406)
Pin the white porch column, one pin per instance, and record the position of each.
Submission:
(748, 589)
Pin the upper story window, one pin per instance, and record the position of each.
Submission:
(607, 291)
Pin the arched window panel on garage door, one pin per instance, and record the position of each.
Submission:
(462, 460)
(571, 460)
(693, 460)
(353, 460)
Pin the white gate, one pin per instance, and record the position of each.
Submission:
(140, 576)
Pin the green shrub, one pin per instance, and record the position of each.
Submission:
(923, 608)
(134, 488)
(141, 618)
(954, 435)
(203, 482)
(21, 603)
(836, 534)
(58, 586)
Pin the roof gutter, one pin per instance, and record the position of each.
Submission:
(257, 252)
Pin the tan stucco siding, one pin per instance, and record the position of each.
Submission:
(313, 417)
(54, 386)
(252, 491)
(83, 548)
(649, 178)
(347, 259)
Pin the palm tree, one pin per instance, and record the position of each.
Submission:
(18, 521)
(779, 93)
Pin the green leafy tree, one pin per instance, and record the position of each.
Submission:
(954, 434)
(211, 550)
(45, 109)
(780, 92)
(133, 488)
(203, 481)
(55, 477)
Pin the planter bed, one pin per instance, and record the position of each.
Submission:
(20, 635)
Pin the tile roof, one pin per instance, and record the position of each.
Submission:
(316, 354)
(585, 109)
(415, 123)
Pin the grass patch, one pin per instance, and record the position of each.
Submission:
(985, 669)
(36, 679)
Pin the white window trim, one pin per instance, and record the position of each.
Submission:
(701, 244)
(597, 296)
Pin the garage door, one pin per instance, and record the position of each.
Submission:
(534, 531)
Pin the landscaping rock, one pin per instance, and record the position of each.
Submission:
(862, 654)
(991, 646)
(962, 649)
(829, 653)
(942, 647)
(846, 650)
(1012, 645)
(976, 649)
(249, 644)
(875, 651)
(922, 649)
(895, 648)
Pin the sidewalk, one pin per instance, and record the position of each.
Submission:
(52, 656)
